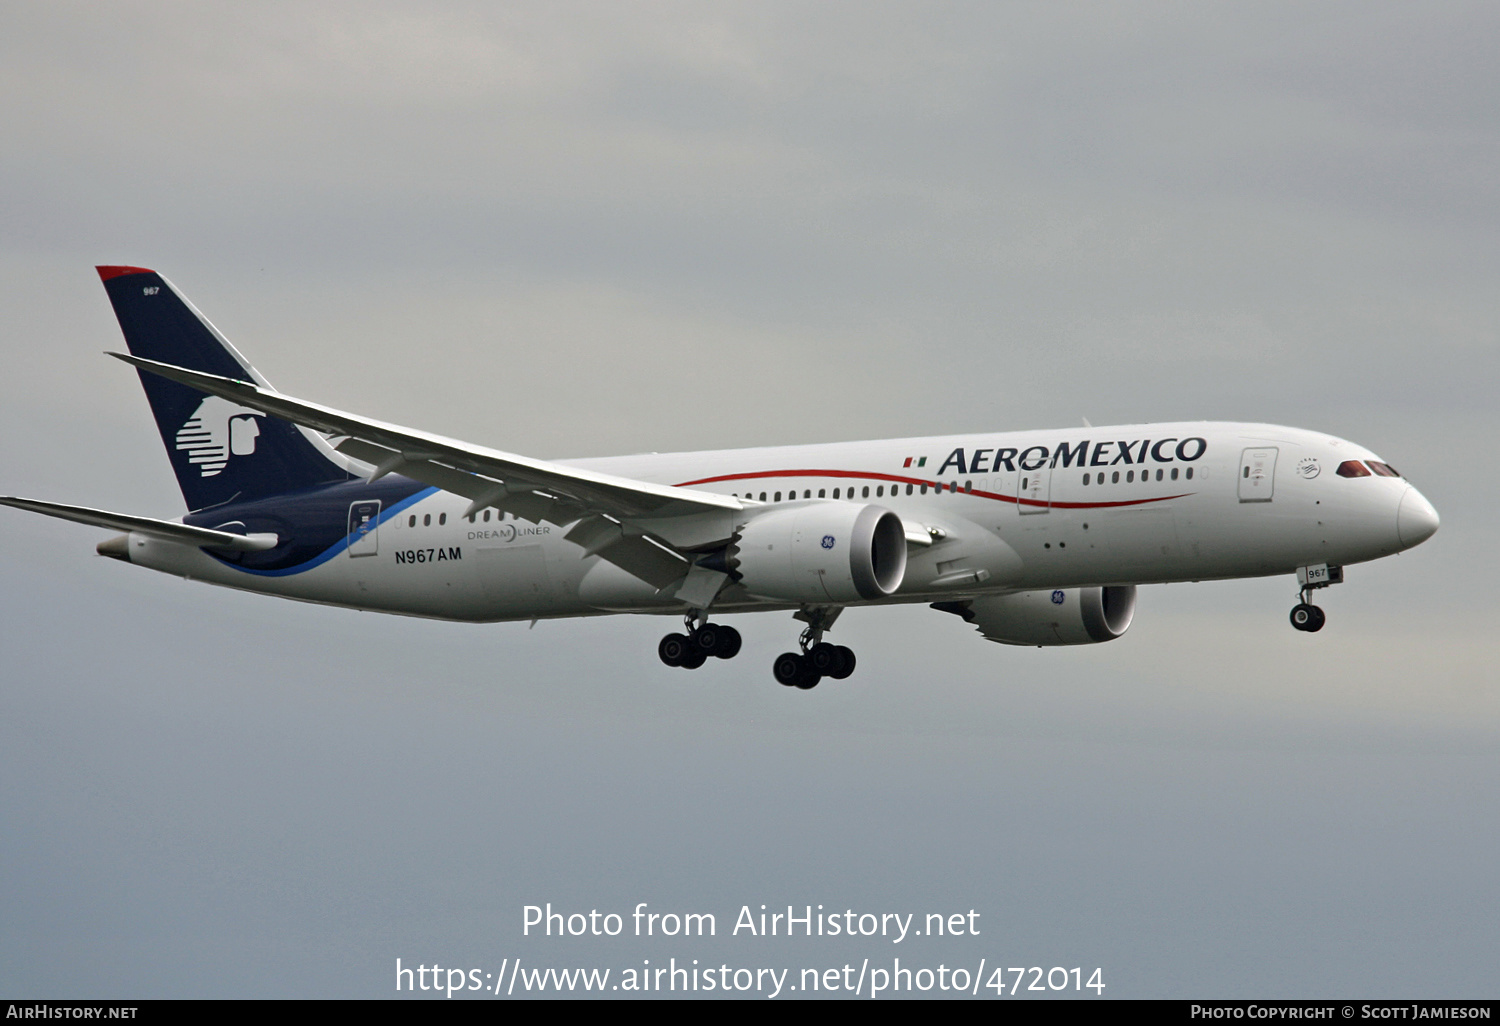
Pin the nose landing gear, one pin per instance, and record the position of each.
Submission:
(1306, 616)
(692, 649)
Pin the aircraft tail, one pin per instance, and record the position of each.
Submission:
(220, 451)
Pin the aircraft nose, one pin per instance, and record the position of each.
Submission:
(1416, 520)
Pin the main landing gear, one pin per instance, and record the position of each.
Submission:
(693, 649)
(817, 658)
(814, 660)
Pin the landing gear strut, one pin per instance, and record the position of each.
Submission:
(701, 640)
(817, 658)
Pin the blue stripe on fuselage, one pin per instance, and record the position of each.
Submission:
(313, 525)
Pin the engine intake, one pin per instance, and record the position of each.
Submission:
(821, 552)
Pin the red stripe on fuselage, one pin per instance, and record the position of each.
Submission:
(867, 476)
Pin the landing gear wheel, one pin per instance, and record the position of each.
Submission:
(729, 643)
(717, 639)
(794, 670)
(706, 638)
(693, 660)
(824, 658)
(809, 678)
(674, 649)
(846, 666)
(1307, 617)
(836, 661)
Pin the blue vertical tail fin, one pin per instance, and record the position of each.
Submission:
(220, 452)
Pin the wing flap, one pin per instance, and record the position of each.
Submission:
(631, 551)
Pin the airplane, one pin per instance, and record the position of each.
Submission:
(1035, 537)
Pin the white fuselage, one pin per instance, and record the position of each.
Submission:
(986, 514)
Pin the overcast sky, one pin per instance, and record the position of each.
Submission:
(572, 230)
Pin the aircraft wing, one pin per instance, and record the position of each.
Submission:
(624, 521)
(169, 530)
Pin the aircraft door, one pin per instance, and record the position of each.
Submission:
(1257, 477)
(1034, 490)
(364, 527)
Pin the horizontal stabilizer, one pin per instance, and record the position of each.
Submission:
(166, 530)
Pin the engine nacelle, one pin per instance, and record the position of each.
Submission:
(1064, 616)
(821, 552)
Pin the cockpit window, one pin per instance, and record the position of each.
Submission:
(1352, 468)
(1383, 469)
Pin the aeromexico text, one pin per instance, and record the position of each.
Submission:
(807, 921)
(1087, 453)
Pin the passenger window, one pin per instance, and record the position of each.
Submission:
(835, 493)
(762, 496)
(1189, 473)
(908, 489)
(880, 491)
(969, 487)
(486, 516)
(1352, 468)
(442, 518)
(426, 519)
(1130, 477)
(1158, 475)
(1086, 478)
(1174, 473)
(822, 493)
(778, 496)
(411, 521)
(1114, 478)
(865, 492)
(806, 493)
(924, 490)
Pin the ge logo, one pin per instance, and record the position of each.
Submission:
(828, 541)
(1057, 598)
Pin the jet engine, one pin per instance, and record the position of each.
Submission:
(1063, 616)
(821, 552)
